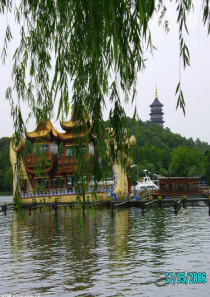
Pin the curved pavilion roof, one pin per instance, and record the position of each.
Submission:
(75, 122)
(71, 124)
(42, 130)
(46, 128)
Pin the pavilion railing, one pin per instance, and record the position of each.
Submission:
(64, 191)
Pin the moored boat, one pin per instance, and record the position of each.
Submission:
(145, 184)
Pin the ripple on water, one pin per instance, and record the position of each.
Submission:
(124, 253)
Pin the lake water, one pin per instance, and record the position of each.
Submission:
(123, 252)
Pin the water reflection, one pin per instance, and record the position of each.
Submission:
(103, 253)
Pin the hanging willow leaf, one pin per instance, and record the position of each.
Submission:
(90, 48)
(177, 88)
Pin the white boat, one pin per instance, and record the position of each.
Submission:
(145, 184)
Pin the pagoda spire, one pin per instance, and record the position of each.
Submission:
(156, 96)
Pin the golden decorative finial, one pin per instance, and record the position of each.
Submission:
(156, 96)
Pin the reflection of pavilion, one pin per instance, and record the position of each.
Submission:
(121, 234)
(67, 245)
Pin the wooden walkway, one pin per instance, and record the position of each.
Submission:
(143, 203)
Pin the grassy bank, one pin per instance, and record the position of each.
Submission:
(5, 193)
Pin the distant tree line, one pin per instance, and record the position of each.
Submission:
(5, 167)
(6, 175)
(163, 152)
(157, 149)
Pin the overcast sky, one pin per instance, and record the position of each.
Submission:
(162, 69)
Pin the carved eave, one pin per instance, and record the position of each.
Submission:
(69, 136)
(69, 125)
(32, 171)
(72, 128)
(156, 113)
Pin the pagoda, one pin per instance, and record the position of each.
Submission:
(156, 114)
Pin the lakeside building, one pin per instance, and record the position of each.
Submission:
(55, 178)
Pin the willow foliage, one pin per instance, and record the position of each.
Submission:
(93, 47)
